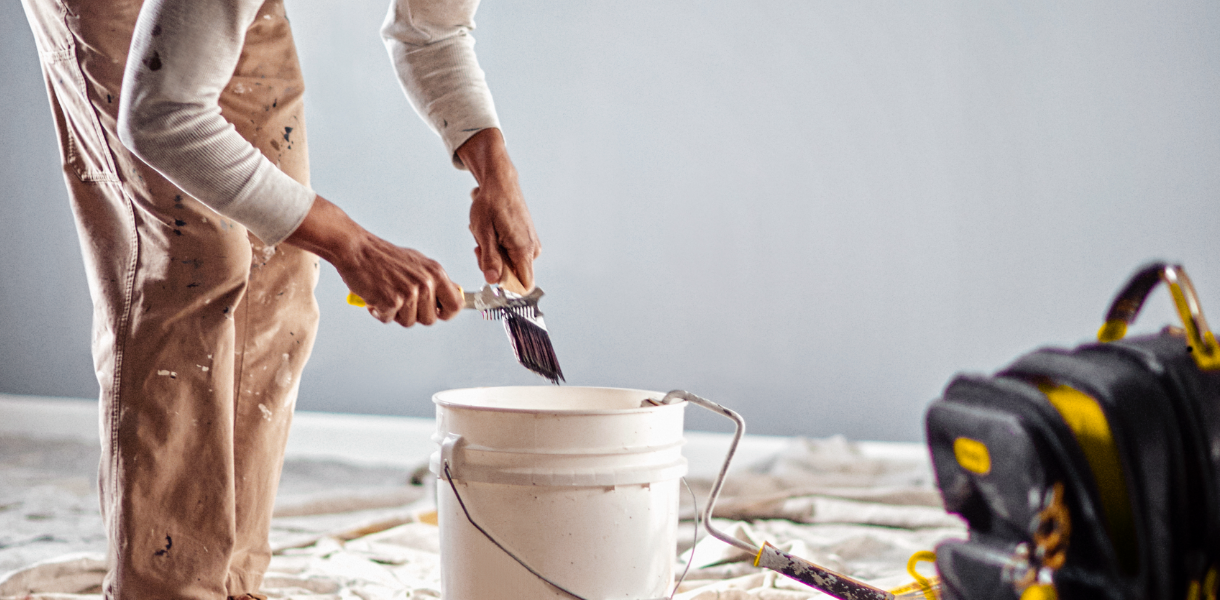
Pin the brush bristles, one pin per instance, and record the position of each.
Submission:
(531, 342)
(532, 345)
(495, 314)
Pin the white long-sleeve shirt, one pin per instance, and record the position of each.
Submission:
(170, 116)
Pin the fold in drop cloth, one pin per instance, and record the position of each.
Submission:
(825, 500)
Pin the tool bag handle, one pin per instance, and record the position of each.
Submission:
(1126, 306)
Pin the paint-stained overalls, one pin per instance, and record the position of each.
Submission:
(200, 332)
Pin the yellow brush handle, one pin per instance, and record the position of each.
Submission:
(355, 300)
(508, 281)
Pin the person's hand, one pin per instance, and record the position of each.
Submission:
(397, 284)
(499, 219)
(504, 232)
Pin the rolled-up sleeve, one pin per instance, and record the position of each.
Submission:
(182, 55)
(431, 47)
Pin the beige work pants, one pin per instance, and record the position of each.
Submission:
(200, 331)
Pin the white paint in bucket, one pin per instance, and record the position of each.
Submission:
(580, 483)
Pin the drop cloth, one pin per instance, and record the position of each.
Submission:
(350, 531)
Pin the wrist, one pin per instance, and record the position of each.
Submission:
(485, 155)
(330, 233)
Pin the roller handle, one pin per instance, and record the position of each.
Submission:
(799, 569)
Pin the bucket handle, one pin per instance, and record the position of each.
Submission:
(799, 569)
(1127, 304)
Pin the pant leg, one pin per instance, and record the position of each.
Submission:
(277, 320)
(189, 467)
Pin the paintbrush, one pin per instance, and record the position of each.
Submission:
(525, 328)
(518, 309)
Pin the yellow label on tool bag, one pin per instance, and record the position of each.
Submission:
(1040, 592)
(972, 455)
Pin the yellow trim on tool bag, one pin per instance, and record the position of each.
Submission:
(1040, 592)
(972, 455)
(1112, 331)
(1202, 343)
(1206, 352)
(1088, 423)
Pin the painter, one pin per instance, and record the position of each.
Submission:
(184, 149)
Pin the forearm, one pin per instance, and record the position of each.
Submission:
(486, 157)
(330, 233)
(430, 45)
(183, 54)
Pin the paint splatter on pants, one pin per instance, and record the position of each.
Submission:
(200, 331)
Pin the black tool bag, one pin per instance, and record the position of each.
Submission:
(1091, 472)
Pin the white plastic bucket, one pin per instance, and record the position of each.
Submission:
(579, 483)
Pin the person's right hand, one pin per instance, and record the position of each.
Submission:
(397, 284)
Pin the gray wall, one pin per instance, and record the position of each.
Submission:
(815, 212)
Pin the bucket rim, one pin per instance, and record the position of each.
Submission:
(609, 411)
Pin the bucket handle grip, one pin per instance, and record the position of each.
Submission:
(449, 447)
(794, 567)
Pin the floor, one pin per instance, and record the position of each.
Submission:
(354, 487)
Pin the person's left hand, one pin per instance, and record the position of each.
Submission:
(499, 218)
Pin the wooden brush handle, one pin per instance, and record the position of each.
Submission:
(509, 281)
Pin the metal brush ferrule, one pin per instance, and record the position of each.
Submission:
(492, 299)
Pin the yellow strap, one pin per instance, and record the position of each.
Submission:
(1088, 423)
(925, 585)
